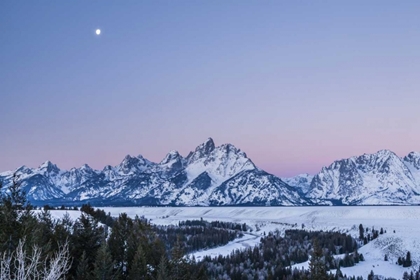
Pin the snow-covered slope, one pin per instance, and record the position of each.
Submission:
(375, 179)
(256, 187)
(198, 179)
(401, 234)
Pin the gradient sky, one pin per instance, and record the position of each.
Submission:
(294, 84)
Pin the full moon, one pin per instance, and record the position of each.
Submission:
(98, 31)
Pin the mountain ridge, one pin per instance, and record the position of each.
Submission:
(223, 175)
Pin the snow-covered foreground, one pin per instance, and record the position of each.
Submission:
(404, 220)
(60, 214)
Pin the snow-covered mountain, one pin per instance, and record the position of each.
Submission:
(223, 175)
(209, 175)
(375, 179)
(302, 182)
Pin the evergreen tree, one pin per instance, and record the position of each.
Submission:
(139, 266)
(43, 234)
(139, 234)
(179, 263)
(371, 275)
(200, 274)
(104, 266)
(317, 267)
(117, 241)
(163, 271)
(83, 272)
(16, 218)
(86, 238)
(407, 262)
(361, 232)
(400, 261)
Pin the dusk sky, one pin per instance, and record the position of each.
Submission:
(294, 84)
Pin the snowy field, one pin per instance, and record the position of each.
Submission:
(404, 220)
(60, 214)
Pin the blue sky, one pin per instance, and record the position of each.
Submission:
(295, 84)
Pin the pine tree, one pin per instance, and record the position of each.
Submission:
(163, 271)
(407, 262)
(371, 275)
(179, 263)
(83, 271)
(361, 232)
(43, 232)
(104, 266)
(16, 218)
(118, 241)
(86, 238)
(317, 266)
(400, 261)
(139, 266)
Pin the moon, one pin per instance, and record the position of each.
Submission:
(98, 31)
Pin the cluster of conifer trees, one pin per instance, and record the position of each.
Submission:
(276, 253)
(366, 236)
(128, 250)
(195, 238)
(405, 261)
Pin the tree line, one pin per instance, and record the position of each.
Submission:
(98, 246)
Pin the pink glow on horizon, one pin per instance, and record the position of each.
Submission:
(290, 163)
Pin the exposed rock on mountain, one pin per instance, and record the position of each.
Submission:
(376, 179)
(198, 179)
(224, 175)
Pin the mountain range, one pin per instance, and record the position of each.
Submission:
(222, 175)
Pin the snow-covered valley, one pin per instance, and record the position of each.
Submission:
(401, 223)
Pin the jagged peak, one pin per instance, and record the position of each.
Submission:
(207, 147)
(385, 152)
(379, 156)
(413, 158)
(231, 149)
(202, 150)
(128, 161)
(134, 164)
(413, 155)
(172, 155)
(141, 157)
(22, 168)
(49, 166)
(128, 157)
(45, 164)
(86, 167)
(107, 167)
